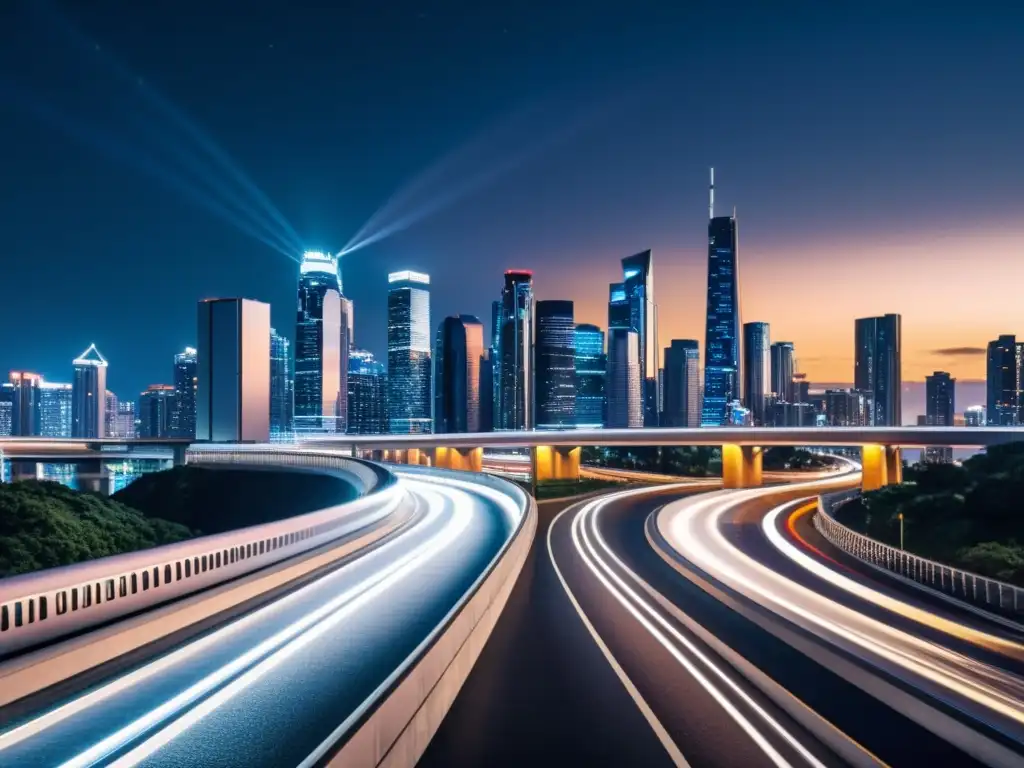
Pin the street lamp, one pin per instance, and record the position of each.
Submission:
(901, 530)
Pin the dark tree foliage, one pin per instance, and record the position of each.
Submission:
(968, 516)
(44, 525)
(695, 461)
(786, 458)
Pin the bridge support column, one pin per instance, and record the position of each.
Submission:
(741, 466)
(179, 455)
(894, 464)
(549, 463)
(874, 461)
(93, 476)
(465, 459)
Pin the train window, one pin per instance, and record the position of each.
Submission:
(99, 593)
(248, 550)
(31, 611)
(42, 608)
(204, 563)
(5, 619)
(110, 589)
(135, 583)
(231, 554)
(156, 576)
(195, 565)
(167, 574)
(145, 580)
(17, 614)
(87, 595)
(74, 598)
(261, 547)
(217, 560)
(62, 603)
(177, 569)
(124, 586)
(188, 568)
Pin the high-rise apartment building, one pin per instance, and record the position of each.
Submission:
(495, 363)
(155, 411)
(54, 409)
(877, 368)
(638, 286)
(682, 384)
(320, 347)
(1004, 381)
(233, 394)
(111, 414)
(722, 338)
(409, 373)
(281, 396)
(783, 366)
(125, 426)
(757, 371)
(590, 364)
(458, 356)
(555, 361)
(367, 394)
(845, 408)
(88, 395)
(974, 416)
(622, 382)
(515, 366)
(940, 410)
(6, 411)
(26, 399)
(183, 415)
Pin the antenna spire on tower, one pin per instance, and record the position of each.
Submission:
(711, 196)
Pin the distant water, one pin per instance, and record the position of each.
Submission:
(116, 476)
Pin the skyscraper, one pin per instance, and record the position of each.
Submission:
(156, 410)
(622, 382)
(722, 337)
(110, 428)
(638, 285)
(319, 340)
(409, 405)
(88, 395)
(458, 357)
(757, 371)
(555, 359)
(6, 411)
(54, 409)
(281, 405)
(940, 407)
(233, 394)
(124, 422)
(845, 408)
(877, 370)
(974, 416)
(495, 360)
(516, 352)
(682, 384)
(1004, 381)
(26, 398)
(367, 394)
(183, 415)
(783, 367)
(590, 364)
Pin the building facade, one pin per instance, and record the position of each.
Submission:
(555, 359)
(183, 416)
(156, 411)
(590, 363)
(622, 383)
(515, 366)
(682, 384)
(320, 347)
(638, 286)
(25, 414)
(409, 367)
(367, 394)
(233, 394)
(281, 396)
(54, 409)
(88, 395)
(877, 368)
(757, 371)
(1003, 381)
(783, 366)
(940, 410)
(6, 411)
(845, 408)
(722, 336)
(458, 391)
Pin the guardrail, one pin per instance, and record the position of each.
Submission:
(957, 583)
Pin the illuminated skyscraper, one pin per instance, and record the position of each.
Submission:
(367, 394)
(622, 382)
(845, 408)
(1004, 381)
(682, 384)
(280, 387)
(320, 347)
(877, 368)
(458, 357)
(88, 395)
(974, 416)
(516, 352)
(638, 285)
(783, 368)
(722, 337)
(183, 415)
(124, 423)
(6, 412)
(233, 394)
(555, 359)
(54, 409)
(110, 429)
(26, 410)
(940, 407)
(757, 371)
(409, 401)
(156, 409)
(590, 366)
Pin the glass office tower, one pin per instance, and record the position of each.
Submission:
(590, 364)
(783, 368)
(638, 285)
(757, 371)
(940, 407)
(54, 409)
(156, 411)
(555, 358)
(622, 381)
(26, 412)
(682, 384)
(515, 360)
(88, 395)
(1003, 382)
(183, 417)
(320, 347)
(877, 369)
(367, 394)
(409, 374)
(281, 395)
(458, 361)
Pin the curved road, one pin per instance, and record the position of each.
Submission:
(282, 684)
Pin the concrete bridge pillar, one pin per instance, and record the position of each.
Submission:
(550, 463)
(893, 464)
(882, 465)
(741, 466)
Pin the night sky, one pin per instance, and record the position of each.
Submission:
(874, 154)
